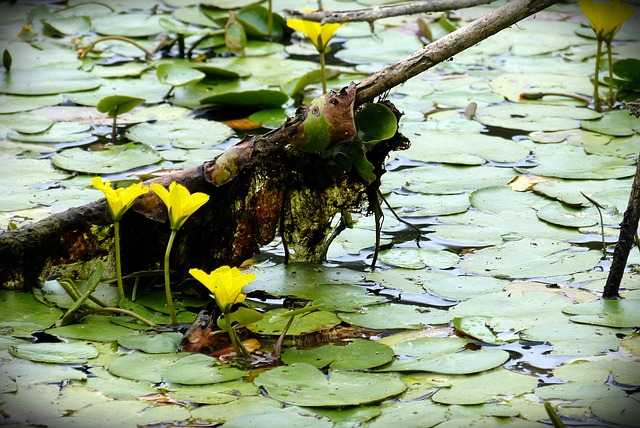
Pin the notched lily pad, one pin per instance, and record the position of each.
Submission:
(55, 353)
(185, 133)
(611, 313)
(357, 354)
(302, 384)
(418, 258)
(199, 369)
(111, 160)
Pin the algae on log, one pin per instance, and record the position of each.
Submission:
(277, 187)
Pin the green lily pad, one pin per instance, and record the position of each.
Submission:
(23, 314)
(129, 69)
(485, 387)
(273, 418)
(178, 75)
(93, 328)
(572, 162)
(392, 316)
(478, 328)
(336, 297)
(275, 321)
(418, 258)
(215, 393)
(464, 149)
(265, 98)
(145, 87)
(28, 373)
(17, 103)
(375, 123)
(444, 355)
(606, 192)
(185, 133)
(27, 123)
(60, 132)
(357, 354)
(145, 367)
(302, 384)
(512, 85)
(461, 287)
(73, 25)
(579, 391)
(619, 123)
(529, 259)
(610, 313)
(533, 117)
(624, 147)
(562, 215)
(47, 81)
(129, 25)
(151, 344)
(418, 205)
(55, 353)
(598, 371)
(622, 411)
(110, 160)
(420, 413)
(118, 388)
(199, 369)
(574, 339)
(113, 105)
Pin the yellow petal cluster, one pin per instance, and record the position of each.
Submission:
(180, 202)
(606, 17)
(319, 34)
(119, 200)
(225, 283)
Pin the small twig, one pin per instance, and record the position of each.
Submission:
(277, 349)
(119, 311)
(379, 219)
(599, 207)
(84, 51)
(540, 95)
(395, 214)
(375, 13)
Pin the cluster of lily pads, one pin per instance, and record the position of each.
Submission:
(492, 316)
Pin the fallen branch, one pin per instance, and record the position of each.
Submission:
(278, 188)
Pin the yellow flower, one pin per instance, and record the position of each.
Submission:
(319, 34)
(225, 283)
(180, 203)
(119, 200)
(606, 17)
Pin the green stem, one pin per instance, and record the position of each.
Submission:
(322, 71)
(610, 60)
(241, 351)
(167, 283)
(596, 95)
(89, 48)
(120, 311)
(116, 233)
(270, 20)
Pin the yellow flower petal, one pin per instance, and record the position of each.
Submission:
(180, 202)
(225, 283)
(121, 199)
(319, 34)
(606, 17)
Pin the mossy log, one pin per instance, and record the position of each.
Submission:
(278, 188)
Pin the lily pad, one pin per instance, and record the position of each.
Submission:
(418, 205)
(623, 411)
(444, 355)
(23, 314)
(60, 132)
(302, 384)
(418, 258)
(93, 328)
(272, 418)
(55, 353)
(199, 369)
(512, 85)
(562, 215)
(357, 354)
(464, 149)
(129, 25)
(392, 316)
(619, 123)
(574, 339)
(47, 81)
(145, 367)
(529, 259)
(113, 105)
(151, 344)
(485, 387)
(17, 103)
(178, 75)
(606, 192)
(111, 160)
(185, 133)
(533, 117)
(611, 313)
(275, 321)
(476, 327)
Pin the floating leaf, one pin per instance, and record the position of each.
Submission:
(199, 369)
(611, 313)
(93, 328)
(17, 103)
(302, 384)
(562, 215)
(476, 327)
(73, 25)
(444, 355)
(108, 161)
(178, 75)
(60, 132)
(485, 387)
(618, 123)
(47, 81)
(418, 258)
(357, 354)
(622, 411)
(114, 105)
(151, 343)
(145, 367)
(129, 25)
(574, 339)
(393, 316)
(529, 259)
(55, 353)
(274, 322)
(533, 117)
(375, 123)
(185, 133)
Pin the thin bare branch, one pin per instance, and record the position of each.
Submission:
(375, 13)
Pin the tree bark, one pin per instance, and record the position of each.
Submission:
(628, 229)
(278, 188)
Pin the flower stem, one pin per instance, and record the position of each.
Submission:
(167, 282)
(610, 60)
(116, 233)
(596, 78)
(322, 71)
(235, 341)
(270, 20)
